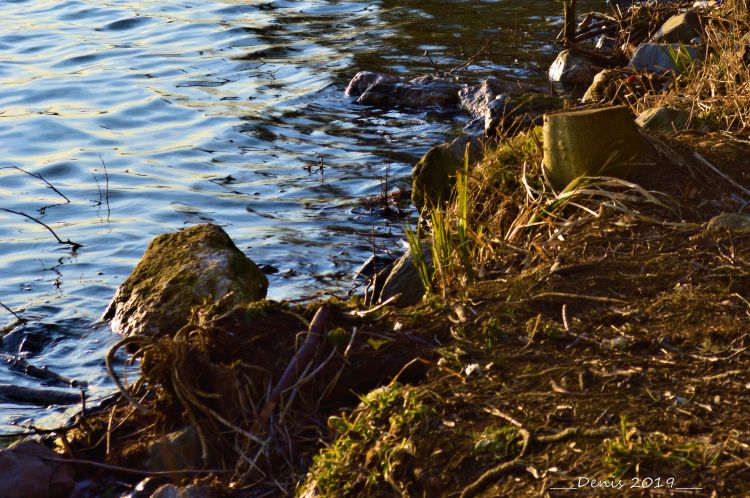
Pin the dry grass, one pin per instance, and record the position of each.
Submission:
(717, 90)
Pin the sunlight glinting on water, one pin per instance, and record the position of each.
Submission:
(208, 111)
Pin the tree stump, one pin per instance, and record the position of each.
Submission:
(590, 142)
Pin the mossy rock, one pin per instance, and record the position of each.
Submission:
(434, 176)
(179, 271)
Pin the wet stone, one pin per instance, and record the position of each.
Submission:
(663, 57)
(384, 90)
(26, 472)
(680, 28)
(403, 280)
(179, 271)
(572, 68)
(663, 119)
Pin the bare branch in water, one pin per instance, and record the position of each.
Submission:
(106, 187)
(40, 177)
(73, 245)
(18, 317)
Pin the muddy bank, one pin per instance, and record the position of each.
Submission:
(572, 331)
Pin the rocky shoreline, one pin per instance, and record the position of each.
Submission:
(576, 308)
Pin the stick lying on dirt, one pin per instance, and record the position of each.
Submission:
(38, 396)
(298, 363)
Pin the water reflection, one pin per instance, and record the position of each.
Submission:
(155, 114)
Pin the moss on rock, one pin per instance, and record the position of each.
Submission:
(178, 271)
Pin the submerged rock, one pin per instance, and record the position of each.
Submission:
(365, 79)
(663, 57)
(434, 175)
(391, 91)
(663, 119)
(572, 68)
(27, 472)
(178, 271)
(477, 98)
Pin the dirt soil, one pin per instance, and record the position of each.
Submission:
(616, 353)
(621, 357)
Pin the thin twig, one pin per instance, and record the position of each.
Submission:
(73, 245)
(106, 187)
(598, 299)
(40, 177)
(716, 170)
(18, 317)
(127, 470)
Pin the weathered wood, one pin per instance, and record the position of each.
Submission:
(590, 142)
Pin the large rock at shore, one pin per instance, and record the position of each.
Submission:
(572, 68)
(680, 28)
(27, 471)
(178, 271)
(384, 90)
(508, 114)
(662, 58)
(403, 280)
(434, 176)
(477, 98)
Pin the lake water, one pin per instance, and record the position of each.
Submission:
(210, 111)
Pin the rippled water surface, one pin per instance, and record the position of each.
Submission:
(209, 111)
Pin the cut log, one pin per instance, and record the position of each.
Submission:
(590, 142)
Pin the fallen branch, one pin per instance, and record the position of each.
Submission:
(73, 245)
(297, 365)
